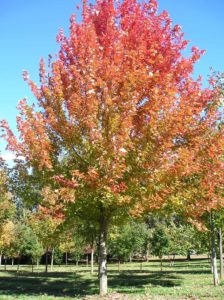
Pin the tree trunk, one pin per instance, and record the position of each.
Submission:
(119, 266)
(147, 256)
(66, 258)
(32, 264)
(130, 258)
(0, 258)
(37, 262)
(5, 263)
(210, 262)
(210, 256)
(103, 254)
(213, 252)
(172, 260)
(46, 261)
(210, 253)
(188, 255)
(221, 253)
(13, 261)
(92, 259)
(52, 259)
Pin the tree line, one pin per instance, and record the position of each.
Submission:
(39, 236)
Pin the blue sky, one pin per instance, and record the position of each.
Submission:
(28, 30)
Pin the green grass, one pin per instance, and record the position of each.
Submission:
(185, 280)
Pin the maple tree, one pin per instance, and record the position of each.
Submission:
(220, 225)
(129, 240)
(198, 192)
(45, 222)
(6, 238)
(7, 211)
(199, 195)
(86, 232)
(120, 118)
(23, 242)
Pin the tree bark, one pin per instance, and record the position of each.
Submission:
(119, 265)
(32, 264)
(210, 262)
(221, 253)
(66, 257)
(46, 261)
(213, 252)
(210, 251)
(188, 255)
(103, 253)
(0, 258)
(13, 261)
(52, 259)
(92, 259)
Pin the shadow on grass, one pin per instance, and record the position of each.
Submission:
(132, 282)
(70, 284)
(164, 273)
(27, 274)
(52, 285)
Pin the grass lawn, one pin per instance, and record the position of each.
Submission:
(185, 280)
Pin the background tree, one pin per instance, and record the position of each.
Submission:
(183, 239)
(160, 243)
(220, 226)
(24, 243)
(88, 229)
(73, 240)
(45, 224)
(7, 210)
(78, 248)
(6, 239)
(66, 245)
(127, 241)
